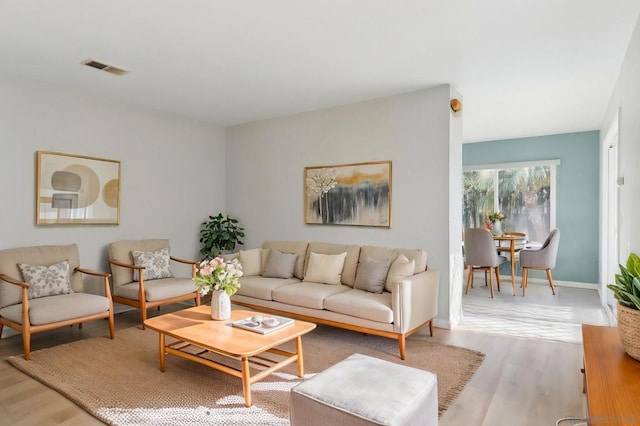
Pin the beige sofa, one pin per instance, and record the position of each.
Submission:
(351, 299)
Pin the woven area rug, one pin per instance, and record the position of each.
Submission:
(119, 381)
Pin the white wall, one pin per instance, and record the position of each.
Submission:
(626, 98)
(172, 169)
(266, 161)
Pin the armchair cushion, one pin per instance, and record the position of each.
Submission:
(46, 280)
(156, 264)
(47, 310)
(160, 289)
(39, 255)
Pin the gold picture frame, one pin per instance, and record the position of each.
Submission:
(77, 190)
(357, 194)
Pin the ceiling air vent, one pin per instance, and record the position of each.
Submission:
(104, 67)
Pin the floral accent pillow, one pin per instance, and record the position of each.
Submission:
(46, 280)
(156, 264)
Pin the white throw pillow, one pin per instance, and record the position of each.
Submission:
(325, 268)
(156, 264)
(400, 269)
(251, 261)
(46, 280)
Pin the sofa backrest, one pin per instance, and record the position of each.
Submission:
(297, 247)
(391, 254)
(39, 255)
(121, 252)
(350, 261)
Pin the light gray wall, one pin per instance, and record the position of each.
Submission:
(172, 169)
(266, 161)
(625, 97)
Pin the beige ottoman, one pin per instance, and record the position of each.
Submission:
(362, 390)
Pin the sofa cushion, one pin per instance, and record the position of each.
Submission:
(46, 310)
(372, 275)
(299, 248)
(156, 264)
(280, 265)
(46, 280)
(308, 295)
(325, 268)
(350, 262)
(362, 304)
(400, 269)
(262, 287)
(39, 255)
(160, 289)
(251, 261)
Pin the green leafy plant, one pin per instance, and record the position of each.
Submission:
(219, 234)
(627, 286)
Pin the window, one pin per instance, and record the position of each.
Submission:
(523, 192)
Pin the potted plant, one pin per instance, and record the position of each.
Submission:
(627, 291)
(219, 234)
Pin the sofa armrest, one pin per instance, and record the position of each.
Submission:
(414, 300)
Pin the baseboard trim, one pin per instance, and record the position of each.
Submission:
(441, 323)
(557, 283)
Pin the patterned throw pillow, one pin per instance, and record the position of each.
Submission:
(156, 264)
(46, 280)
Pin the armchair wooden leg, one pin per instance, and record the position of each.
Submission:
(553, 289)
(491, 281)
(143, 315)
(469, 278)
(431, 327)
(112, 332)
(497, 269)
(26, 343)
(525, 272)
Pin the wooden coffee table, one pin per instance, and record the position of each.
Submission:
(194, 327)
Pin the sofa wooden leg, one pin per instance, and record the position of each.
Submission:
(403, 348)
(431, 327)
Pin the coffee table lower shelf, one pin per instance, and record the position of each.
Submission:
(178, 349)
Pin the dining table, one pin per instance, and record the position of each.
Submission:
(512, 250)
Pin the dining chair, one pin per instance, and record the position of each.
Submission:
(481, 254)
(543, 258)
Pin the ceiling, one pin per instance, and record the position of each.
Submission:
(523, 67)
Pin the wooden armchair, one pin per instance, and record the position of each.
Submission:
(142, 284)
(33, 304)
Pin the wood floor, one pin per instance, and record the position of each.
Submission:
(522, 382)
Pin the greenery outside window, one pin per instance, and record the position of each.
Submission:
(523, 192)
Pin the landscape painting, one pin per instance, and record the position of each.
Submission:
(349, 194)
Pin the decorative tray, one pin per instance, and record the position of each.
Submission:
(263, 324)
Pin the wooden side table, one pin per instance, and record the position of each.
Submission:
(612, 378)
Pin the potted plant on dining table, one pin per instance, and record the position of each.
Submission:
(494, 223)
